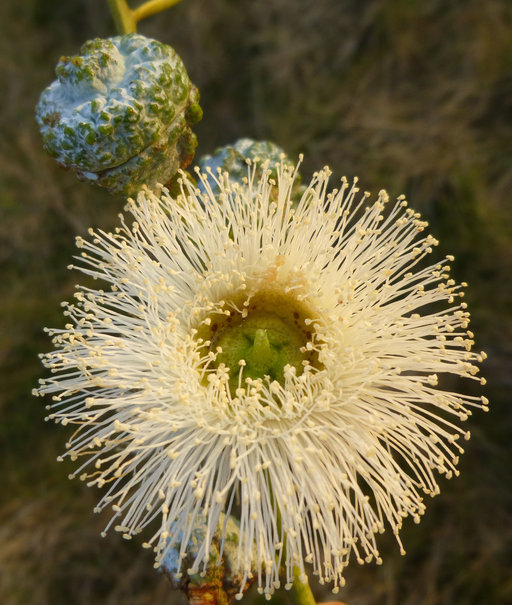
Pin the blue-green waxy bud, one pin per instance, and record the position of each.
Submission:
(218, 573)
(234, 158)
(120, 113)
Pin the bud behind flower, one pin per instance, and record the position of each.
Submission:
(120, 113)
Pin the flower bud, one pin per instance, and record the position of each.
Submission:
(213, 578)
(233, 159)
(120, 113)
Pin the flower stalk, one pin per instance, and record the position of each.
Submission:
(302, 590)
(126, 19)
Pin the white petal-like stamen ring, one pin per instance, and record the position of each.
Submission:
(322, 462)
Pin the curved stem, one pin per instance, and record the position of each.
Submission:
(126, 19)
(303, 593)
(146, 9)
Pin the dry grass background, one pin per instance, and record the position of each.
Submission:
(411, 95)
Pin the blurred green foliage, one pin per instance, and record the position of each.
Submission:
(410, 95)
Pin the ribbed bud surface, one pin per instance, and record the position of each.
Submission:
(120, 113)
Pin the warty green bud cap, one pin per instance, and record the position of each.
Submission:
(217, 573)
(234, 158)
(120, 113)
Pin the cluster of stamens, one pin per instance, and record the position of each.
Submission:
(258, 337)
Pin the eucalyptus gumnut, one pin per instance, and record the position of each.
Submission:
(216, 575)
(233, 158)
(120, 113)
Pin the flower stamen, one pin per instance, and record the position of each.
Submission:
(267, 332)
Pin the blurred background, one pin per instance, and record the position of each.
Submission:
(414, 96)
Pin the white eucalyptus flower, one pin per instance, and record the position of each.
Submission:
(273, 360)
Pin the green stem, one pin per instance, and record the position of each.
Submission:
(123, 16)
(303, 593)
(126, 19)
(151, 7)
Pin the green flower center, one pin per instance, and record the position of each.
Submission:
(269, 333)
(265, 343)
